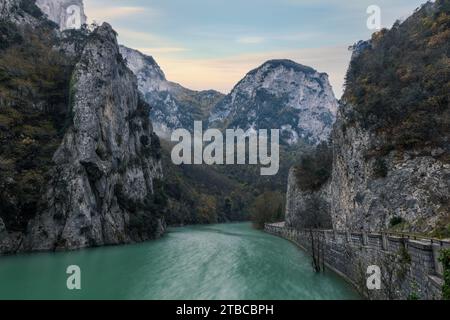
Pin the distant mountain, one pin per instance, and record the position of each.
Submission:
(173, 106)
(280, 94)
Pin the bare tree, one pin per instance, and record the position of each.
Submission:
(317, 250)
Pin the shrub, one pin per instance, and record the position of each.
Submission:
(9, 35)
(380, 169)
(395, 221)
(315, 168)
(267, 208)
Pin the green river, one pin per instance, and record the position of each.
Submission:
(226, 262)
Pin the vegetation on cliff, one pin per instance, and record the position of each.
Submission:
(77, 153)
(400, 84)
(314, 168)
(202, 194)
(34, 82)
(268, 207)
(222, 193)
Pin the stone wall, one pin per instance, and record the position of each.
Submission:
(409, 268)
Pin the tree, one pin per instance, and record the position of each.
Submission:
(267, 208)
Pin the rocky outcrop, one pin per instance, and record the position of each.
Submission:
(20, 12)
(391, 163)
(6, 7)
(103, 181)
(68, 14)
(391, 147)
(307, 209)
(105, 167)
(368, 193)
(173, 106)
(280, 94)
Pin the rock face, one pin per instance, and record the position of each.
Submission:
(19, 12)
(68, 14)
(104, 169)
(104, 176)
(307, 209)
(415, 189)
(173, 106)
(280, 94)
(6, 7)
(391, 167)
(391, 163)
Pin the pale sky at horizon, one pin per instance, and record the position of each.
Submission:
(212, 44)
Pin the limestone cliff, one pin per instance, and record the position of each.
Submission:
(104, 168)
(173, 106)
(307, 208)
(20, 12)
(101, 185)
(391, 149)
(68, 14)
(280, 94)
(410, 187)
(309, 190)
(391, 165)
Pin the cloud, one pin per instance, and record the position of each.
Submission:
(101, 12)
(159, 50)
(131, 35)
(149, 43)
(250, 40)
(300, 36)
(390, 10)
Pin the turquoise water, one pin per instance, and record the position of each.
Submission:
(229, 261)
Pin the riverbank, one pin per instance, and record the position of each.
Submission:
(214, 262)
(409, 268)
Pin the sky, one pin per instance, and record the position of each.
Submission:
(212, 44)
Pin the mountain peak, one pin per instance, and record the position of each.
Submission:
(143, 60)
(150, 76)
(287, 64)
(280, 94)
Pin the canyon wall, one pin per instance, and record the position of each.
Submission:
(80, 163)
(390, 143)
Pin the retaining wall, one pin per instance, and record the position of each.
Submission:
(409, 268)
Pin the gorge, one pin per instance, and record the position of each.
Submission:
(85, 161)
